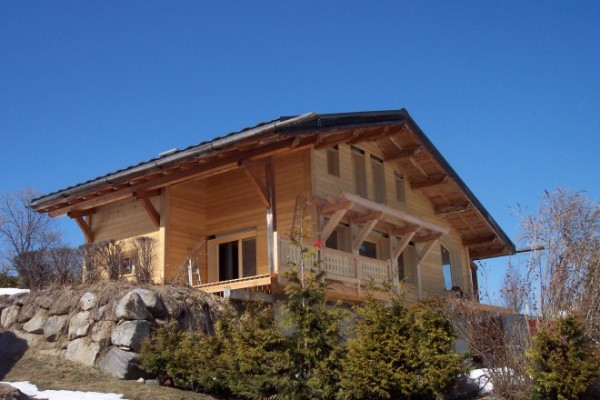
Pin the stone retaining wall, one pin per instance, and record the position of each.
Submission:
(103, 325)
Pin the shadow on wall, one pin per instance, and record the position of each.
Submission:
(12, 349)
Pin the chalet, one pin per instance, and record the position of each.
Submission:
(388, 207)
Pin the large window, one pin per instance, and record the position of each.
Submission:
(333, 161)
(378, 179)
(360, 171)
(447, 268)
(368, 249)
(233, 257)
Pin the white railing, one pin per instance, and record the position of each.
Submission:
(337, 264)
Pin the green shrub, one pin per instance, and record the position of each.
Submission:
(399, 352)
(8, 281)
(563, 364)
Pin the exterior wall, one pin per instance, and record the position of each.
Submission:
(125, 220)
(415, 203)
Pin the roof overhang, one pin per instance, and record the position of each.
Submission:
(401, 140)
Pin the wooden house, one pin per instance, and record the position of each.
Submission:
(388, 207)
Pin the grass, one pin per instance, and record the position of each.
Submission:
(50, 372)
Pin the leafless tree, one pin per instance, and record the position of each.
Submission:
(515, 288)
(566, 274)
(24, 233)
(65, 263)
(143, 250)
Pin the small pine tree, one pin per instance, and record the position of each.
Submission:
(255, 355)
(563, 364)
(399, 353)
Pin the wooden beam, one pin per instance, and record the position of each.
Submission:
(404, 153)
(259, 186)
(342, 205)
(332, 223)
(427, 238)
(452, 209)
(373, 135)
(144, 198)
(405, 230)
(402, 245)
(426, 250)
(83, 225)
(82, 213)
(373, 215)
(479, 240)
(362, 235)
(439, 180)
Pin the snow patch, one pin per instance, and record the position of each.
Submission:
(11, 291)
(481, 378)
(32, 390)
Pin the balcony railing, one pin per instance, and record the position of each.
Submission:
(338, 265)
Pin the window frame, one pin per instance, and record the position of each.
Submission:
(400, 187)
(214, 267)
(333, 161)
(359, 165)
(378, 177)
(447, 268)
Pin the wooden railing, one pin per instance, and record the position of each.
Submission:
(338, 265)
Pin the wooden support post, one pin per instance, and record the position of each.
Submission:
(332, 223)
(402, 245)
(362, 235)
(420, 257)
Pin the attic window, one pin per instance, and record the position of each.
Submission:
(333, 161)
(378, 179)
(360, 171)
(400, 191)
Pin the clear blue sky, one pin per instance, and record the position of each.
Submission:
(509, 91)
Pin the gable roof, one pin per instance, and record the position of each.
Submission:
(395, 132)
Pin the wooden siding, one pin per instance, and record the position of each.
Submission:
(416, 203)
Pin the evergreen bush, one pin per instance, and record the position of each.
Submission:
(399, 353)
(563, 364)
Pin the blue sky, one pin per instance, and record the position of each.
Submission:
(508, 91)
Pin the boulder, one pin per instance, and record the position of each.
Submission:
(26, 313)
(36, 324)
(121, 364)
(83, 351)
(130, 334)
(132, 307)
(61, 305)
(153, 302)
(88, 301)
(102, 331)
(55, 327)
(10, 316)
(79, 325)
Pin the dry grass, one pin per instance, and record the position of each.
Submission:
(49, 372)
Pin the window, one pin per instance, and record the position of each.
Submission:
(333, 161)
(360, 171)
(378, 179)
(446, 268)
(400, 193)
(232, 257)
(401, 267)
(368, 249)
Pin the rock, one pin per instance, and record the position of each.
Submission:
(36, 324)
(132, 307)
(141, 380)
(55, 327)
(121, 364)
(10, 316)
(88, 301)
(8, 392)
(26, 313)
(79, 325)
(153, 302)
(152, 382)
(101, 332)
(131, 334)
(61, 305)
(44, 301)
(83, 351)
